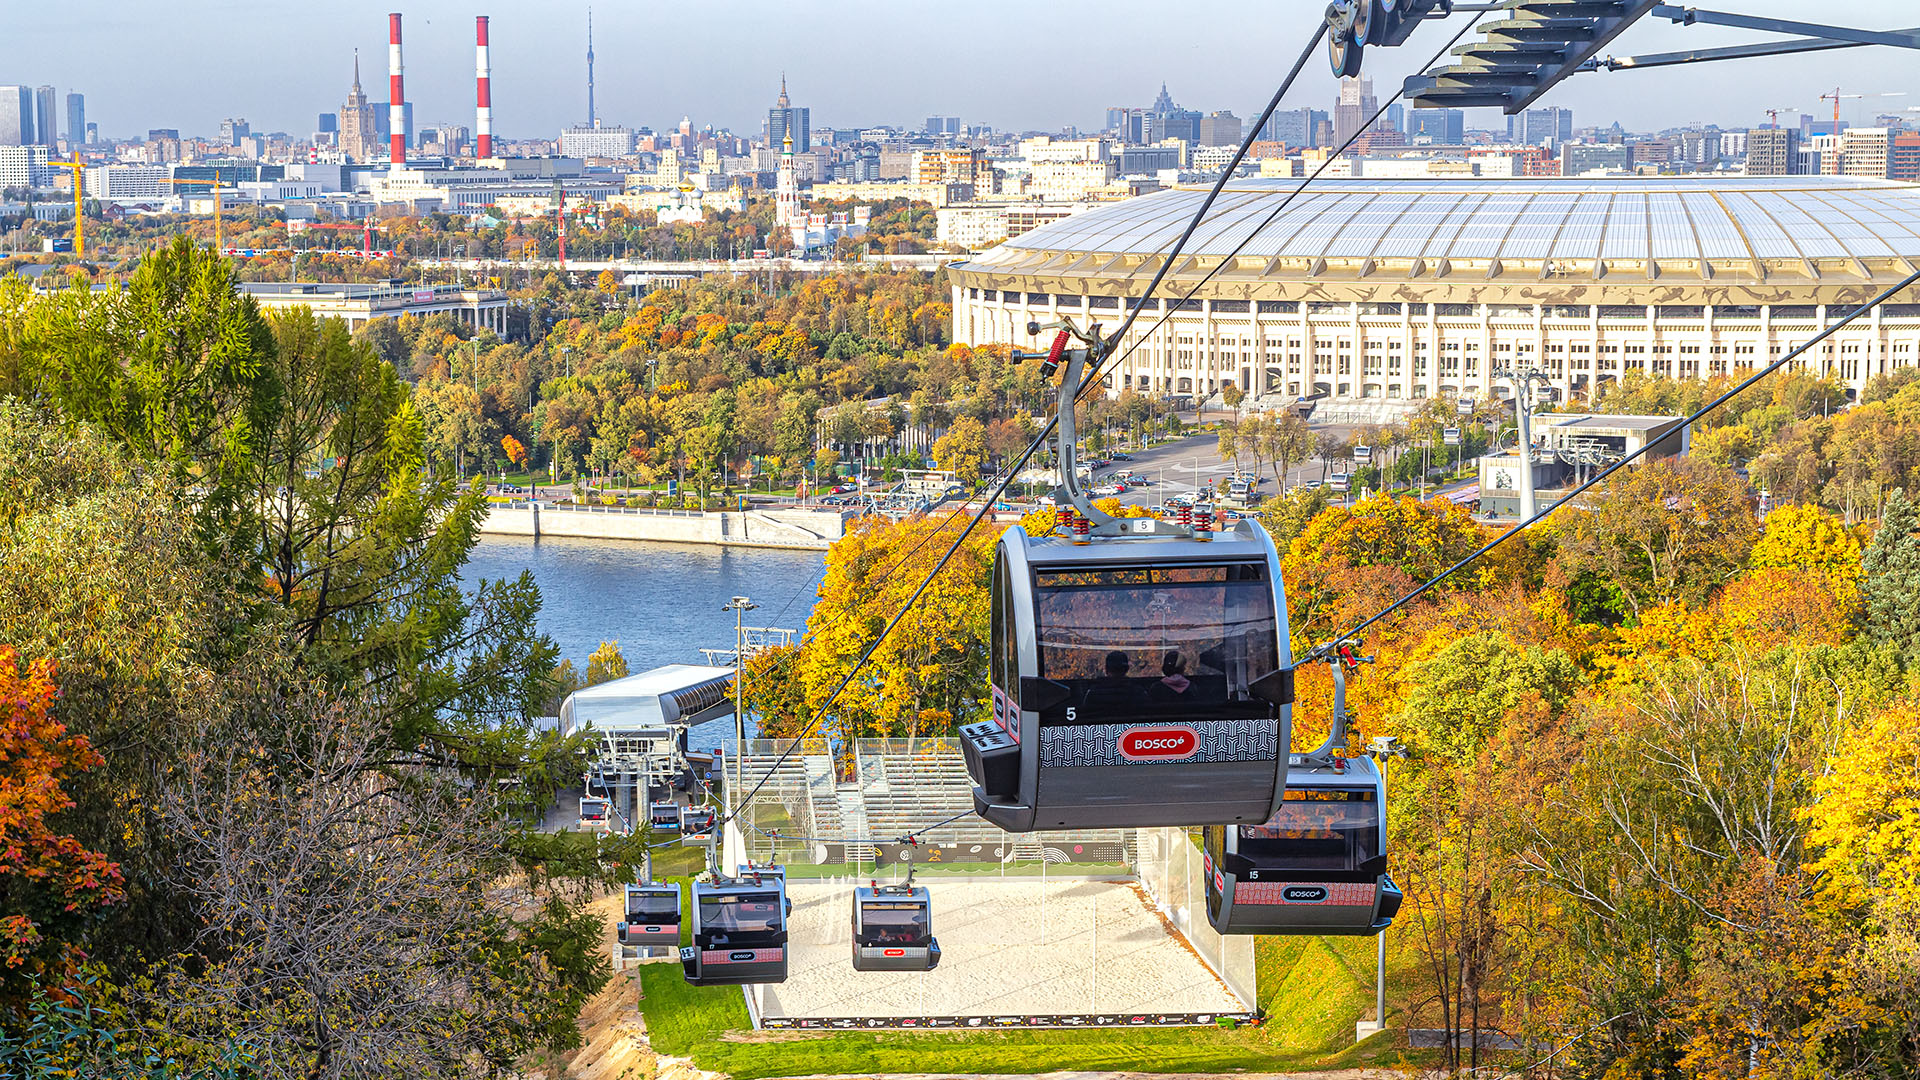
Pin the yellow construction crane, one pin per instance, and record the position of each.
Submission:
(219, 246)
(79, 230)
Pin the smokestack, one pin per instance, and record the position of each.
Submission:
(482, 71)
(396, 92)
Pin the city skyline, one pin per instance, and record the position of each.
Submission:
(644, 77)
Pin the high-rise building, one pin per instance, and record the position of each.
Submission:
(1903, 162)
(1447, 127)
(942, 125)
(1293, 127)
(1580, 159)
(46, 116)
(327, 123)
(598, 141)
(359, 134)
(1773, 151)
(1355, 107)
(1165, 120)
(1397, 117)
(1219, 129)
(77, 120)
(233, 129)
(1550, 125)
(786, 119)
(24, 166)
(16, 116)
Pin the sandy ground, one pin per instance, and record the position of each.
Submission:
(1007, 947)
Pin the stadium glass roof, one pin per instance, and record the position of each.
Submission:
(1753, 222)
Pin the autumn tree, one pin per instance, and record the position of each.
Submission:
(934, 662)
(962, 450)
(606, 664)
(1662, 532)
(50, 884)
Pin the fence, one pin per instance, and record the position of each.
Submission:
(1169, 864)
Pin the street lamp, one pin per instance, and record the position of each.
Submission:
(739, 605)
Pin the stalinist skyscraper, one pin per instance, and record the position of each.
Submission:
(358, 139)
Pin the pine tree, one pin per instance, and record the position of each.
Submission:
(1892, 567)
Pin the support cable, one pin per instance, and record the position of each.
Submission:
(1320, 651)
(1047, 429)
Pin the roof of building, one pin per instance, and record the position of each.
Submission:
(669, 694)
(1742, 228)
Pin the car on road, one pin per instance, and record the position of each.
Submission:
(842, 489)
(1123, 457)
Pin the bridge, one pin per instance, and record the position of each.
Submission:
(691, 269)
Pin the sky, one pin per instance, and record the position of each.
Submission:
(1014, 64)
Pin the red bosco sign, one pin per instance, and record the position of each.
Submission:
(1158, 743)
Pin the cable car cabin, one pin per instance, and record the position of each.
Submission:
(1137, 681)
(696, 823)
(893, 929)
(1316, 867)
(664, 816)
(594, 813)
(653, 916)
(739, 933)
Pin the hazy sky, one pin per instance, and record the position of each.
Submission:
(1030, 64)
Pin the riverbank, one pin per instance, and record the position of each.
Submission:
(798, 529)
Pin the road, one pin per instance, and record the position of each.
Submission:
(1179, 467)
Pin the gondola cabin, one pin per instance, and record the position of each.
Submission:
(696, 825)
(739, 932)
(1318, 866)
(1136, 681)
(664, 816)
(653, 916)
(594, 813)
(893, 929)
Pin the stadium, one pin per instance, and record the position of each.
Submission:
(1384, 292)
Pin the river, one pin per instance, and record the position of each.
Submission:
(661, 602)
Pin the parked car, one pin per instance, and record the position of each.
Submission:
(1123, 457)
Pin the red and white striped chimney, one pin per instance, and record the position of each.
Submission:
(396, 92)
(482, 72)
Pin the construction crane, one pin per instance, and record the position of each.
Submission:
(1773, 115)
(79, 189)
(1838, 94)
(219, 246)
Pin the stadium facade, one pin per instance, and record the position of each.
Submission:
(1397, 290)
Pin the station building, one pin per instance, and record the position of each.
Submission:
(1383, 292)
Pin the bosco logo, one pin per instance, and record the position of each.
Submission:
(1158, 743)
(1304, 894)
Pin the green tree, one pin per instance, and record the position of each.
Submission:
(1662, 532)
(177, 365)
(1462, 694)
(1892, 567)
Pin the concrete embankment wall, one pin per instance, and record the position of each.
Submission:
(808, 529)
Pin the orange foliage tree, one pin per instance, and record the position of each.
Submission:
(46, 878)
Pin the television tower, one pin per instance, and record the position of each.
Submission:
(590, 112)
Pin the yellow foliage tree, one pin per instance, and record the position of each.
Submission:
(606, 664)
(1864, 821)
(1805, 537)
(607, 282)
(934, 664)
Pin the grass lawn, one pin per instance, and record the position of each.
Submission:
(709, 1025)
(1312, 990)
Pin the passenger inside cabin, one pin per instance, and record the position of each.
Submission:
(1174, 683)
(1114, 690)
